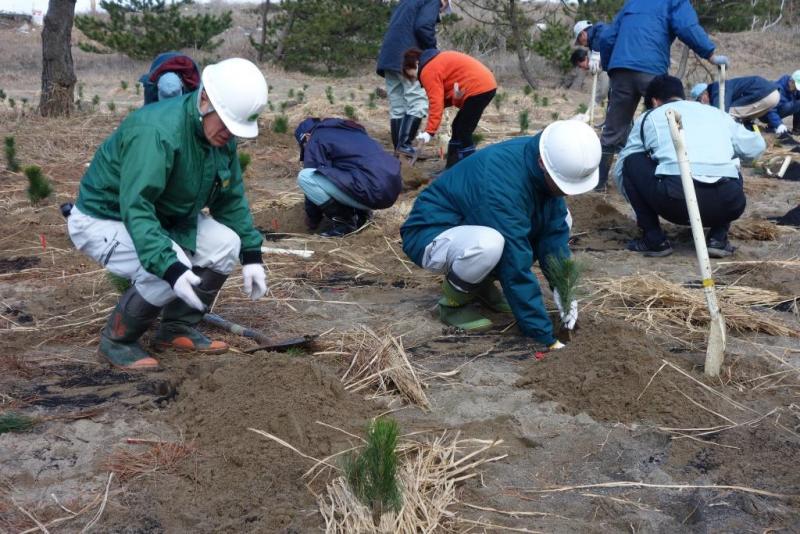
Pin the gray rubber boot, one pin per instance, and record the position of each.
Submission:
(178, 320)
(119, 338)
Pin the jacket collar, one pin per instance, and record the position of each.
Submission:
(426, 56)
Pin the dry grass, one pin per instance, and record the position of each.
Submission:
(678, 312)
(430, 469)
(755, 230)
(158, 456)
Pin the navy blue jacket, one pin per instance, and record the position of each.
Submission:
(594, 42)
(190, 75)
(744, 91)
(643, 31)
(413, 24)
(789, 99)
(342, 151)
(502, 187)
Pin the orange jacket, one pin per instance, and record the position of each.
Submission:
(438, 71)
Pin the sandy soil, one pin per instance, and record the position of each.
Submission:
(603, 410)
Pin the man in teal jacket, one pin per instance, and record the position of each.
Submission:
(139, 212)
(493, 214)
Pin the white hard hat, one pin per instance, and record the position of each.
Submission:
(579, 27)
(571, 154)
(238, 92)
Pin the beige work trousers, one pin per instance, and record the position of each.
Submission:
(756, 109)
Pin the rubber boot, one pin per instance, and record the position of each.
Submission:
(394, 126)
(466, 152)
(796, 124)
(345, 218)
(178, 320)
(492, 296)
(605, 167)
(453, 310)
(313, 215)
(119, 338)
(452, 153)
(408, 132)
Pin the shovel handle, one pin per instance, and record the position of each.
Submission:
(722, 88)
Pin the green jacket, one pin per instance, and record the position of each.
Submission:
(155, 173)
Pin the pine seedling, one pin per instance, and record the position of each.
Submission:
(282, 106)
(527, 90)
(119, 283)
(545, 101)
(11, 154)
(14, 422)
(352, 96)
(290, 94)
(564, 273)
(111, 107)
(524, 123)
(305, 87)
(301, 96)
(499, 99)
(80, 90)
(12, 103)
(280, 124)
(582, 108)
(555, 115)
(371, 101)
(350, 112)
(372, 473)
(329, 94)
(2, 95)
(123, 85)
(138, 88)
(477, 138)
(95, 100)
(39, 186)
(244, 160)
(360, 87)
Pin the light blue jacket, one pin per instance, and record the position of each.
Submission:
(714, 141)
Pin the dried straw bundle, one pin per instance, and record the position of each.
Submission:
(380, 364)
(679, 312)
(755, 230)
(428, 473)
(159, 456)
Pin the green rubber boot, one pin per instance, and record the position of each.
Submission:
(493, 297)
(178, 320)
(119, 338)
(453, 310)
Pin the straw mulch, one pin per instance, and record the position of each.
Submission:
(755, 230)
(158, 456)
(679, 312)
(429, 469)
(379, 365)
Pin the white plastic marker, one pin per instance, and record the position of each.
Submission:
(594, 97)
(287, 252)
(715, 353)
(722, 88)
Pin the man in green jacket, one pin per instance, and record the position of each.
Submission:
(139, 212)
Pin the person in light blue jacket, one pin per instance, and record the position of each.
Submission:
(647, 170)
(639, 39)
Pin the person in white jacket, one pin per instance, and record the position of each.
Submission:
(647, 170)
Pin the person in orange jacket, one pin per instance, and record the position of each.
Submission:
(451, 79)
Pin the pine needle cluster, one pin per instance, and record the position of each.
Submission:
(372, 474)
(39, 186)
(14, 422)
(11, 154)
(119, 283)
(564, 273)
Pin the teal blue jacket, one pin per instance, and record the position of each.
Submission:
(502, 187)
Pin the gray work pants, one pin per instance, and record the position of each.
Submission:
(627, 88)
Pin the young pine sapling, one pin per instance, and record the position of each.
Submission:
(11, 154)
(524, 122)
(39, 186)
(120, 284)
(372, 473)
(564, 273)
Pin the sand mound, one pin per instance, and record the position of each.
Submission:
(239, 481)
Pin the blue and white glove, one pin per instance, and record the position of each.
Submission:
(594, 62)
(719, 60)
(782, 129)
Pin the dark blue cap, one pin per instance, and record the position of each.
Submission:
(302, 129)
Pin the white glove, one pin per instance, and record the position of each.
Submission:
(557, 345)
(457, 94)
(183, 288)
(255, 280)
(782, 129)
(569, 318)
(424, 137)
(594, 62)
(719, 60)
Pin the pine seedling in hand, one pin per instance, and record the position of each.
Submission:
(564, 273)
(119, 283)
(11, 154)
(244, 160)
(372, 474)
(39, 186)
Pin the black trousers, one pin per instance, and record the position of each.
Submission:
(468, 116)
(653, 195)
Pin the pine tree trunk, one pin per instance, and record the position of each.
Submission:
(285, 33)
(682, 64)
(519, 40)
(263, 44)
(58, 73)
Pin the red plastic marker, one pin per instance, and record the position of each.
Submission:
(538, 355)
(43, 241)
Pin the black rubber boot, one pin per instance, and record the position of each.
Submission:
(605, 167)
(394, 126)
(796, 124)
(466, 152)
(345, 219)
(453, 148)
(178, 319)
(119, 338)
(313, 215)
(408, 132)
